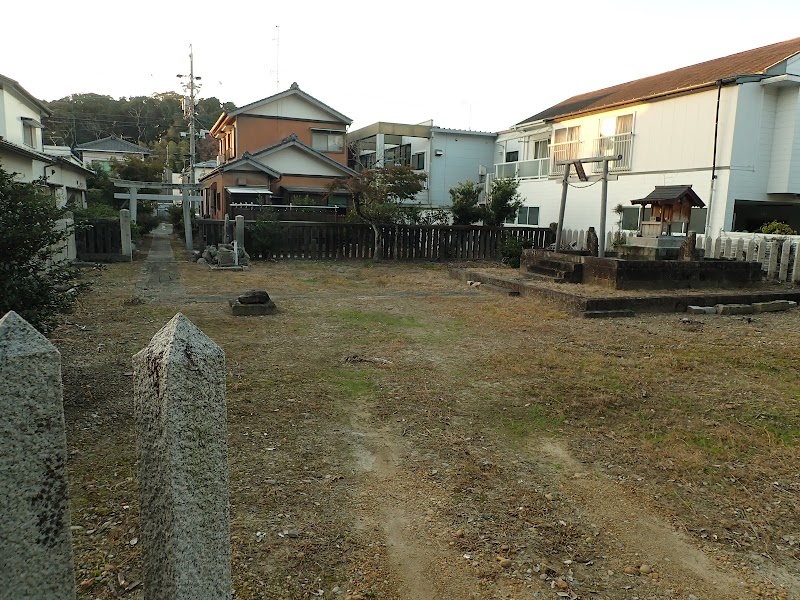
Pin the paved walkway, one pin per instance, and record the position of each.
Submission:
(160, 279)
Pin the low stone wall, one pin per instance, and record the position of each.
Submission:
(669, 274)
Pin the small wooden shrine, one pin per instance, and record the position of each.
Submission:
(670, 210)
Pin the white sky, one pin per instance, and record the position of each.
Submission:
(468, 65)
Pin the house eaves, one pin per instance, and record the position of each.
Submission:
(28, 153)
(7, 82)
(293, 141)
(757, 63)
(247, 159)
(387, 128)
(294, 90)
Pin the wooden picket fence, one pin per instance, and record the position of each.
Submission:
(99, 240)
(320, 241)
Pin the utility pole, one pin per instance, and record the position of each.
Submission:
(190, 111)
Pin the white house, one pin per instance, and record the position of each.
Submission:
(729, 127)
(446, 156)
(22, 152)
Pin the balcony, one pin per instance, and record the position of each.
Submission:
(613, 145)
(561, 152)
(524, 169)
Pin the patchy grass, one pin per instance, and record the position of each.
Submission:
(466, 382)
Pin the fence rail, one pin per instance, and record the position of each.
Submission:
(99, 240)
(322, 241)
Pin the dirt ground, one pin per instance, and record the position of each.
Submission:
(396, 434)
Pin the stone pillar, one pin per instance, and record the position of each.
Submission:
(133, 202)
(592, 242)
(738, 250)
(187, 220)
(717, 247)
(240, 232)
(227, 230)
(181, 434)
(796, 267)
(125, 232)
(772, 268)
(728, 246)
(786, 249)
(35, 539)
(750, 252)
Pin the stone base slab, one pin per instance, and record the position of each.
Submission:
(251, 310)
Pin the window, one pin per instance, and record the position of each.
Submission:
(616, 138)
(337, 200)
(418, 161)
(29, 132)
(526, 215)
(630, 217)
(512, 156)
(565, 147)
(328, 141)
(398, 155)
(538, 149)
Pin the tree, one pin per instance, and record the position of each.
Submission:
(29, 230)
(379, 195)
(465, 209)
(504, 201)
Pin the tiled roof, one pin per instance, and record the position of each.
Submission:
(705, 74)
(670, 194)
(113, 144)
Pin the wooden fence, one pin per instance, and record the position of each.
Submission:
(401, 242)
(99, 240)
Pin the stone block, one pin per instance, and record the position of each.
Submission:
(773, 306)
(254, 297)
(225, 257)
(251, 310)
(734, 309)
(701, 310)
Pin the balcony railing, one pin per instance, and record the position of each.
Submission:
(613, 145)
(524, 169)
(560, 152)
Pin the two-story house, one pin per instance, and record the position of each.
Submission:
(729, 127)
(100, 153)
(446, 156)
(22, 152)
(281, 150)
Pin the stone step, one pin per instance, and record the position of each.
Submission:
(553, 278)
(498, 289)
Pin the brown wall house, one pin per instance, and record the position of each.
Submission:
(284, 149)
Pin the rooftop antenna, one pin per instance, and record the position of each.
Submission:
(277, 59)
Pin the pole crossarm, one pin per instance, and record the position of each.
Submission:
(156, 185)
(593, 159)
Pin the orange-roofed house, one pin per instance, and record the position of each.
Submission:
(728, 127)
(281, 150)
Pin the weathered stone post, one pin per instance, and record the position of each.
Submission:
(786, 249)
(187, 220)
(133, 202)
(717, 247)
(728, 246)
(35, 539)
(227, 231)
(772, 268)
(750, 253)
(125, 232)
(738, 250)
(181, 432)
(240, 232)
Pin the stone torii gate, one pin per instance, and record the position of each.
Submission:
(133, 196)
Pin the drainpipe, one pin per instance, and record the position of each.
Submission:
(714, 158)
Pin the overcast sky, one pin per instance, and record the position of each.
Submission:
(466, 65)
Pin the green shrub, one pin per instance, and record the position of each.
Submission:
(511, 249)
(96, 210)
(266, 234)
(778, 228)
(136, 232)
(175, 215)
(29, 283)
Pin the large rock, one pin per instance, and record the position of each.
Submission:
(254, 297)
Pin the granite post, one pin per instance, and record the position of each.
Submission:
(187, 219)
(786, 249)
(772, 268)
(181, 432)
(226, 235)
(240, 232)
(35, 539)
(125, 232)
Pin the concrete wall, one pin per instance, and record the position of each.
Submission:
(462, 153)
